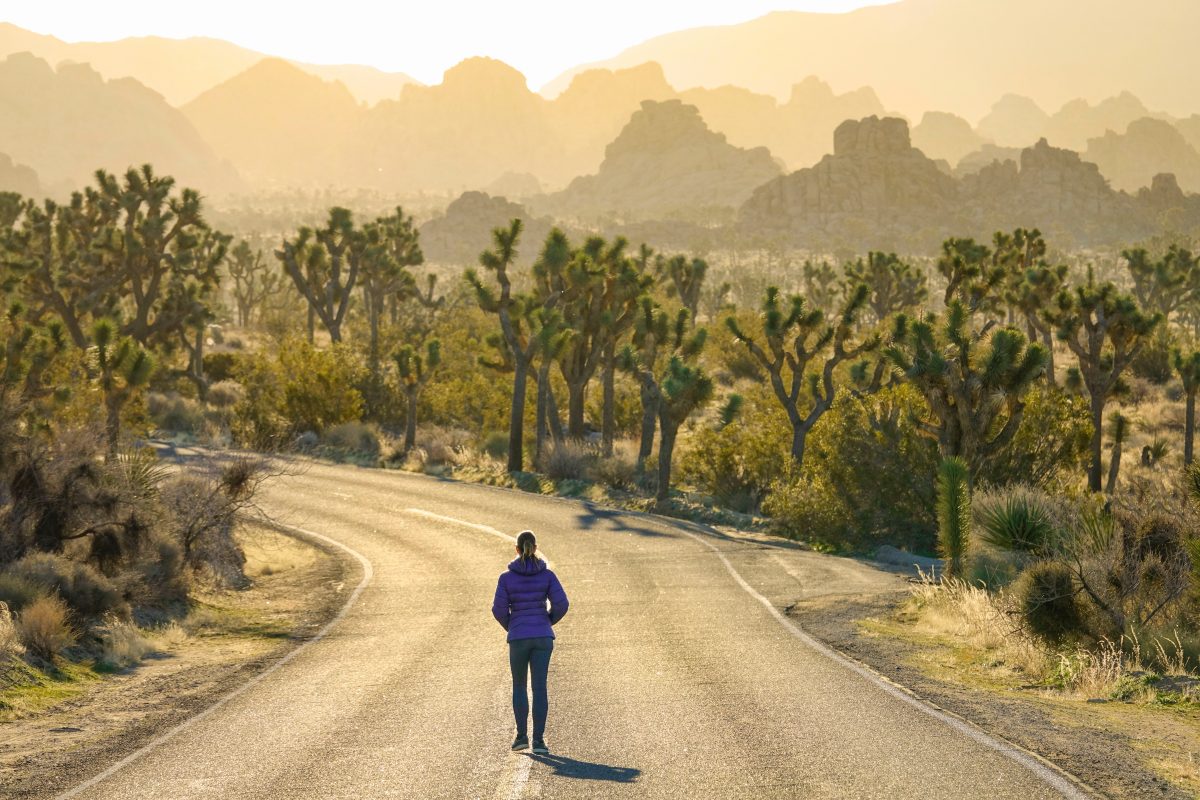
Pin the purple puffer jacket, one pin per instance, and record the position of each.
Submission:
(520, 604)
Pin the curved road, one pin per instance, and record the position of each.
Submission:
(674, 676)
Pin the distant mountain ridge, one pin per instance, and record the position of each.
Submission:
(181, 69)
(945, 54)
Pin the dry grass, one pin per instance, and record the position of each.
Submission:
(984, 621)
(44, 627)
(122, 644)
(10, 637)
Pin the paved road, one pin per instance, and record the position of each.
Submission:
(673, 674)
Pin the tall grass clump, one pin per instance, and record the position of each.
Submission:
(44, 627)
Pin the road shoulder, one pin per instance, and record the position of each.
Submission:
(226, 639)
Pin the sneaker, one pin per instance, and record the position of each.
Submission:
(521, 742)
(539, 748)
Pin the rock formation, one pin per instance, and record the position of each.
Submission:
(944, 135)
(465, 229)
(18, 178)
(665, 163)
(875, 182)
(1130, 160)
(1014, 121)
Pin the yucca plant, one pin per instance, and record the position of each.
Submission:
(954, 514)
(122, 368)
(1018, 521)
(1118, 430)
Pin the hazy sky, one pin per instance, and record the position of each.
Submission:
(539, 37)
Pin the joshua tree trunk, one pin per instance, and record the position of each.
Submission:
(1094, 469)
(1114, 466)
(112, 426)
(312, 325)
(1189, 428)
(799, 438)
(576, 395)
(410, 422)
(516, 420)
(649, 426)
(666, 448)
(543, 412)
(608, 423)
(1048, 343)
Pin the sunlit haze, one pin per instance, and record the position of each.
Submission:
(539, 37)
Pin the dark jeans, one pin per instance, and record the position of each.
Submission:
(523, 654)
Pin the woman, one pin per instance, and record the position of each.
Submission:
(520, 608)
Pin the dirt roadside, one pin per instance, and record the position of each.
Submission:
(228, 638)
(1120, 750)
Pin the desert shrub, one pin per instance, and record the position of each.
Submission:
(1051, 443)
(17, 591)
(627, 406)
(201, 514)
(568, 460)
(1046, 596)
(121, 643)
(44, 627)
(738, 463)
(867, 480)
(158, 578)
(80, 586)
(10, 636)
(495, 444)
(1153, 361)
(175, 414)
(620, 469)
(301, 388)
(219, 367)
(225, 394)
(355, 438)
(1018, 519)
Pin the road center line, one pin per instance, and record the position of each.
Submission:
(420, 512)
(368, 574)
(1043, 769)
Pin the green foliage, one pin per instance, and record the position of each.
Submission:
(300, 388)
(894, 285)
(1017, 520)
(1154, 361)
(954, 514)
(1050, 446)
(868, 479)
(1047, 598)
(738, 463)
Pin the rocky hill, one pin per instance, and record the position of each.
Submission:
(665, 163)
(946, 136)
(1148, 147)
(68, 122)
(18, 178)
(877, 191)
(277, 124)
(464, 231)
(875, 182)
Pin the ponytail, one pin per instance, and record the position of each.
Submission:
(527, 544)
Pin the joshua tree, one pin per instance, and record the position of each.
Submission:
(514, 312)
(684, 389)
(122, 367)
(387, 248)
(655, 337)
(1105, 329)
(954, 514)
(253, 280)
(1118, 429)
(684, 278)
(317, 262)
(821, 284)
(414, 371)
(976, 395)
(894, 285)
(1164, 284)
(973, 274)
(795, 337)
(1033, 294)
(1188, 368)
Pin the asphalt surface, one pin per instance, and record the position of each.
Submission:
(674, 675)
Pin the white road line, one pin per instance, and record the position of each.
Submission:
(368, 574)
(520, 777)
(420, 512)
(1044, 770)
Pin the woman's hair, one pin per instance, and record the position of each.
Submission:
(526, 544)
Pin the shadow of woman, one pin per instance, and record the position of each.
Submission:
(586, 770)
